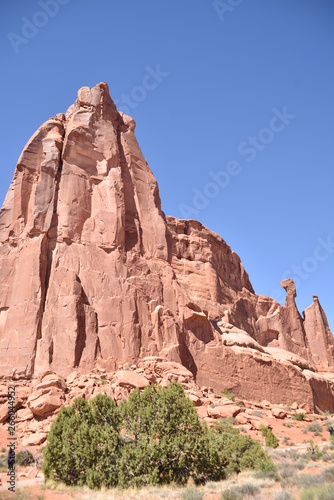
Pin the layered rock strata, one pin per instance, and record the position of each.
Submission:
(94, 275)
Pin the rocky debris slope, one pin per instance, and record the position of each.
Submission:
(94, 276)
(40, 399)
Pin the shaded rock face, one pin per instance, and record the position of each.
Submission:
(94, 274)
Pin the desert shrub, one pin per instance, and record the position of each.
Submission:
(288, 473)
(283, 495)
(313, 451)
(230, 420)
(228, 449)
(328, 424)
(228, 394)
(3, 463)
(192, 494)
(258, 413)
(314, 427)
(240, 491)
(270, 438)
(24, 457)
(301, 464)
(153, 438)
(308, 480)
(319, 492)
(164, 437)
(231, 494)
(299, 416)
(39, 460)
(266, 474)
(328, 475)
(83, 444)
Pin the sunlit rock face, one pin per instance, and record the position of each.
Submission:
(94, 274)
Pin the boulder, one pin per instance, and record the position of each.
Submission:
(202, 411)
(51, 380)
(4, 409)
(132, 379)
(24, 414)
(225, 411)
(33, 440)
(278, 413)
(43, 402)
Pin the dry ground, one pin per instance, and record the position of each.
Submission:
(293, 460)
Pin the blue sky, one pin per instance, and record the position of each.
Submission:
(234, 108)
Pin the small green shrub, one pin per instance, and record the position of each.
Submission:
(24, 457)
(299, 416)
(314, 427)
(270, 438)
(227, 394)
(313, 450)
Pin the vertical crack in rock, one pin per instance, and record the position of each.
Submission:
(51, 352)
(131, 214)
(81, 334)
(87, 345)
(98, 351)
(48, 246)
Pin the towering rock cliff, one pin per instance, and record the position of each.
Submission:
(94, 274)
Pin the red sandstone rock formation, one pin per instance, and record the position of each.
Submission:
(94, 275)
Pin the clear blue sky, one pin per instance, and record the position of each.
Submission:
(243, 91)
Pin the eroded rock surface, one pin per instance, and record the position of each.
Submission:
(94, 275)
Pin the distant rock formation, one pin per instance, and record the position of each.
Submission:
(94, 275)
